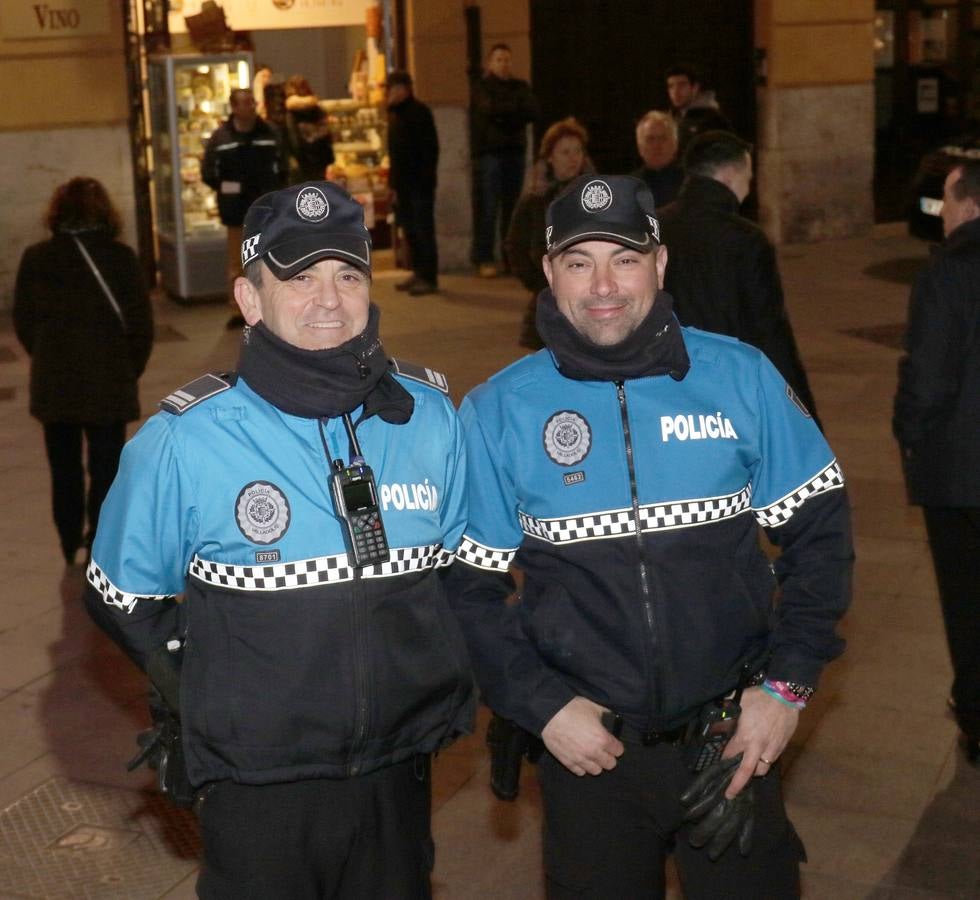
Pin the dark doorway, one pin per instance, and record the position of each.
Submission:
(927, 88)
(603, 61)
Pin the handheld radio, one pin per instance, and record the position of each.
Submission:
(714, 727)
(355, 499)
(356, 503)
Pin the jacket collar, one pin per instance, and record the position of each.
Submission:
(967, 233)
(707, 191)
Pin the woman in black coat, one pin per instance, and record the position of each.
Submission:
(82, 313)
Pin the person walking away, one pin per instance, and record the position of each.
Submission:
(501, 107)
(723, 273)
(413, 150)
(82, 313)
(626, 470)
(937, 424)
(563, 155)
(241, 162)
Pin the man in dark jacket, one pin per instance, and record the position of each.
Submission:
(656, 142)
(241, 163)
(723, 273)
(501, 107)
(937, 423)
(694, 109)
(413, 148)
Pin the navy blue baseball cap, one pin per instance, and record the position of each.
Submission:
(293, 228)
(615, 208)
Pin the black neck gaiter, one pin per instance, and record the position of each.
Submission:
(320, 383)
(656, 347)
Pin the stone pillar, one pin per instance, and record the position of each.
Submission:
(435, 33)
(815, 152)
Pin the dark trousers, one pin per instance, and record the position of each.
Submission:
(69, 502)
(954, 539)
(501, 176)
(362, 838)
(609, 835)
(415, 214)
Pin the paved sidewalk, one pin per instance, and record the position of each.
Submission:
(876, 787)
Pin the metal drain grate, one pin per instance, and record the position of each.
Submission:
(68, 839)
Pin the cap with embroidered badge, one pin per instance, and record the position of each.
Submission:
(292, 228)
(615, 208)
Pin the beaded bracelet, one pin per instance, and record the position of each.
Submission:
(789, 692)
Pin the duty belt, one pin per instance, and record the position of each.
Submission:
(618, 727)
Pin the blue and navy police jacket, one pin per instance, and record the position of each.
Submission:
(296, 664)
(633, 509)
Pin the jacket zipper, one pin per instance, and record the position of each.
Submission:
(645, 594)
(356, 615)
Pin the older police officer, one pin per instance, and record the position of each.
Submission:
(627, 469)
(321, 663)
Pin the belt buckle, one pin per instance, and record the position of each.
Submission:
(652, 738)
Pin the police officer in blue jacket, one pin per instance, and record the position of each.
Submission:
(321, 665)
(627, 470)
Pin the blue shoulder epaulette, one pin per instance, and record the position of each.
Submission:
(197, 391)
(422, 374)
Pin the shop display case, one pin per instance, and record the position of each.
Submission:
(359, 134)
(189, 98)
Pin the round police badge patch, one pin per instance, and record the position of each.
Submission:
(262, 512)
(567, 438)
(596, 196)
(312, 205)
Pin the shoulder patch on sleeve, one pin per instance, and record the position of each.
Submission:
(422, 374)
(196, 391)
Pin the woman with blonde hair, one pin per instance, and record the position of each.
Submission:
(561, 158)
(83, 315)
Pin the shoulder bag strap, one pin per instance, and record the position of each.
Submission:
(98, 277)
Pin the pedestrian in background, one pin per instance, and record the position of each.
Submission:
(413, 151)
(656, 142)
(501, 108)
(563, 155)
(83, 315)
(241, 163)
(307, 132)
(693, 108)
(723, 273)
(937, 423)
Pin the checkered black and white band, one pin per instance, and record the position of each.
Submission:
(320, 570)
(653, 517)
(780, 512)
(113, 595)
(482, 557)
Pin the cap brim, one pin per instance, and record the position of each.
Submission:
(638, 240)
(290, 257)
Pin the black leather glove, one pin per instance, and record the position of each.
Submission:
(718, 819)
(161, 747)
